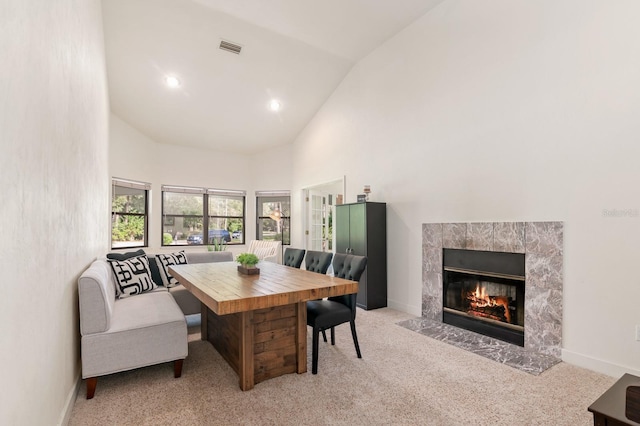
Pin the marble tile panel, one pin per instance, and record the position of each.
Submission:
(454, 235)
(544, 238)
(480, 236)
(547, 340)
(432, 284)
(543, 271)
(432, 307)
(431, 259)
(432, 235)
(542, 305)
(543, 320)
(413, 324)
(508, 237)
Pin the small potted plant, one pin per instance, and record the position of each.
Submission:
(248, 263)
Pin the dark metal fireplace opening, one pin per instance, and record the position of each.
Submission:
(484, 292)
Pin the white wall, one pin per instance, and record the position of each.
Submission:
(502, 110)
(55, 197)
(137, 157)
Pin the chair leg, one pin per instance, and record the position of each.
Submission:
(177, 368)
(92, 382)
(355, 337)
(333, 335)
(324, 336)
(314, 354)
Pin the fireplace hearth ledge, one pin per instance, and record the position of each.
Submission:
(505, 353)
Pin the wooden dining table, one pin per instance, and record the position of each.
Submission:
(258, 323)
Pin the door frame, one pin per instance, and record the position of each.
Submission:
(334, 187)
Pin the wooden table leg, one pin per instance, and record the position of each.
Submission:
(262, 344)
(301, 337)
(246, 372)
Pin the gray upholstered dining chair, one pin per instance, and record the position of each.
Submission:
(328, 313)
(293, 257)
(318, 261)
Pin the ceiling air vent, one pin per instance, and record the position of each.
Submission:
(230, 47)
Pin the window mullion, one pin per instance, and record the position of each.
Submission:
(146, 217)
(205, 221)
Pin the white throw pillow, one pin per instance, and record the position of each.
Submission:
(132, 276)
(166, 260)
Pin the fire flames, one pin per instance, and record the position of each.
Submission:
(483, 305)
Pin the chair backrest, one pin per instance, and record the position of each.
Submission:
(265, 250)
(318, 261)
(349, 267)
(293, 257)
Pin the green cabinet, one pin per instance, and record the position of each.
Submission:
(361, 229)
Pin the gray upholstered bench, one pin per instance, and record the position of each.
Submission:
(127, 333)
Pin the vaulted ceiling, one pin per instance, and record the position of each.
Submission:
(294, 51)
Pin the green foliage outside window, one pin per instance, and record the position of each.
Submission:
(235, 225)
(167, 239)
(127, 228)
(128, 210)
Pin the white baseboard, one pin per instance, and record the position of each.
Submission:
(597, 365)
(65, 416)
(402, 307)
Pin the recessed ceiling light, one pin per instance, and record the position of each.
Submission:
(274, 105)
(172, 81)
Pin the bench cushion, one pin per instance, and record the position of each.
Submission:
(145, 330)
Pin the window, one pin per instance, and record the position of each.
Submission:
(226, 213)
(268, 228)
(187, 212)
(129, 221)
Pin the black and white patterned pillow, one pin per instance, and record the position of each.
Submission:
(166, 260)
(132, 276)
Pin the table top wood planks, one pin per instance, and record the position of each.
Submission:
(225, 290)
(258, 322)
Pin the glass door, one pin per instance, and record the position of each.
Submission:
(317, 208)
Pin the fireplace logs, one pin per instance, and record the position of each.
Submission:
(482, 305)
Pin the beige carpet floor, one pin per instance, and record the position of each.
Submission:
(404, 378)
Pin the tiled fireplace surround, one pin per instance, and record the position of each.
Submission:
(542, 244)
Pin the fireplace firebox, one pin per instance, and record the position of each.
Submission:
(484, 292)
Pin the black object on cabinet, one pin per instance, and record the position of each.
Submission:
(361, 229)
